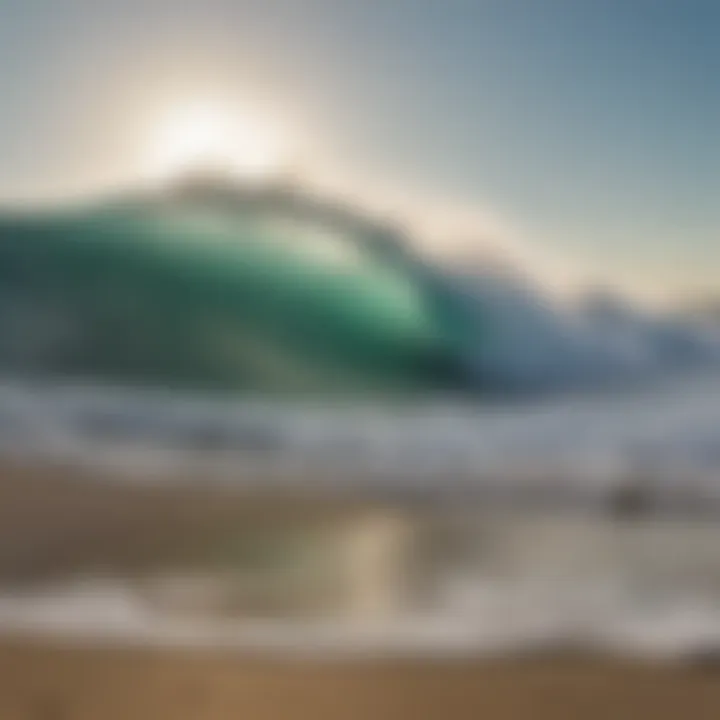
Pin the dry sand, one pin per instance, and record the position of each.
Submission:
(45, 682)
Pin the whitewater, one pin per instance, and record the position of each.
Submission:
(661, 440)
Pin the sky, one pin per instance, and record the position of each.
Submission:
(589, 127)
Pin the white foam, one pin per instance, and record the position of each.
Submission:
(501, 620)
(666, 438)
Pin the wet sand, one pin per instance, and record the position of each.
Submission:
(57, 523)
(42, 681)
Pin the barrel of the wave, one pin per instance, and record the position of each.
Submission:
(464, 332)
(460, 330)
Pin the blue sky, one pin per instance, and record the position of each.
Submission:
(592, 124)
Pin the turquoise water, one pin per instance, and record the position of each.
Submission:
(196, 295)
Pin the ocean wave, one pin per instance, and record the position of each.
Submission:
(275, 290)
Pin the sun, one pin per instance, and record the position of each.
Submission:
(206, 135)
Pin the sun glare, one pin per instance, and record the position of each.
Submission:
(200, 136)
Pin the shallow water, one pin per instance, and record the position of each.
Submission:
(514, 584)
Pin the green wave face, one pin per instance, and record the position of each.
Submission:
(186, 296)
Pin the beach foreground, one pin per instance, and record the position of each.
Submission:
(56, 525)
(46, 681)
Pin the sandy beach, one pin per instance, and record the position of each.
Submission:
(43, 681)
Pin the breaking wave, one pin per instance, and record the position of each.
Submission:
(274, 290)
